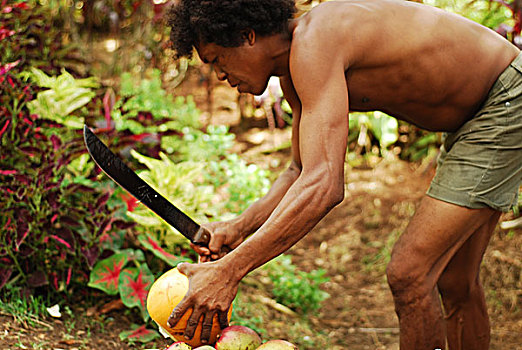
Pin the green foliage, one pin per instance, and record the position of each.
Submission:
(240, 183)
(52, 219)
(214, 188)
(105, 274)
(29, 34)
(182, 184)
(139, 334)
(242, 307)
(244, 183)
(113, 276)
(134, 285)
(211, 145)
(147, 108)
(422, 147)
(152, 245)
(486, 12)
(383, 127)
(65, 95)
(296, 289)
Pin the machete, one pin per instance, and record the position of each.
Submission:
(120, 173)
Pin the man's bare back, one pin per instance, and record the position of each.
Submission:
(435, 75)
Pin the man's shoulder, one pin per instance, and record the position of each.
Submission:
(324, 33)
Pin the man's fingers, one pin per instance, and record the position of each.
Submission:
(205, 258)
(201, 250)
(176, 315)
(192, 323)
(223, 319)
(215, 243)
(206, 327)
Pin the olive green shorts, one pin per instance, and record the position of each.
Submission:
(480, 165)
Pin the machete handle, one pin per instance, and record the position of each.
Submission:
(202, 237)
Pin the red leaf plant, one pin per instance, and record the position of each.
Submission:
(151, 244)
(139, 333)
(134, 286)
(106, 273)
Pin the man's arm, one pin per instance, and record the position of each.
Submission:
(323, 129)
(233, 232)
(254, 216)
(320, 83)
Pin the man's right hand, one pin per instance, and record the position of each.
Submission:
(223, 234)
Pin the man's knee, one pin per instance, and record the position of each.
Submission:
(407, 280)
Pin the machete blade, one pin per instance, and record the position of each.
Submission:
(120, 173)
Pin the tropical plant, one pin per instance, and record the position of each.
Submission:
(212, 144)
(296, 289)
(29, 35)
(113, 276)
(147, 108)
(495, 14)
(52, 219)
(64, 95)
(237, 181)
(182, 184)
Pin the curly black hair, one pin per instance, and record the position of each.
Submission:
(224, 21)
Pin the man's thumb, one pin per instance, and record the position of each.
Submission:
(183, 268)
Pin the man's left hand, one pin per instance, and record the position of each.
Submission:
(211, 291)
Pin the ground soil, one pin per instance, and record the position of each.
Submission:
(352, 243)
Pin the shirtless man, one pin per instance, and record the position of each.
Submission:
(417, 63)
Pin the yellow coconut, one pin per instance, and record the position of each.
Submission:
(166, 292)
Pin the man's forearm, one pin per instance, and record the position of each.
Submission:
(256, 214)
(304, 205)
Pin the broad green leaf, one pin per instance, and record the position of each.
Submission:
(153, 245)
(64, 96)
(148, 219)
(139, 333)
(134, 285)
(112, 240)
(106, 273)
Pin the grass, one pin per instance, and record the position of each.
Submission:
(27, 310)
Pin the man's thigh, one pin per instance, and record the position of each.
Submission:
(436, 232)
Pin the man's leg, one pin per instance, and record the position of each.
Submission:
(467, 321)
(435, 234)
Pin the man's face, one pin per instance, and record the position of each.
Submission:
(243, 67)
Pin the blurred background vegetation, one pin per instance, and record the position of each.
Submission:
(106, 63)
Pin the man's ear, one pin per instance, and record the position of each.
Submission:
(249, 36)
